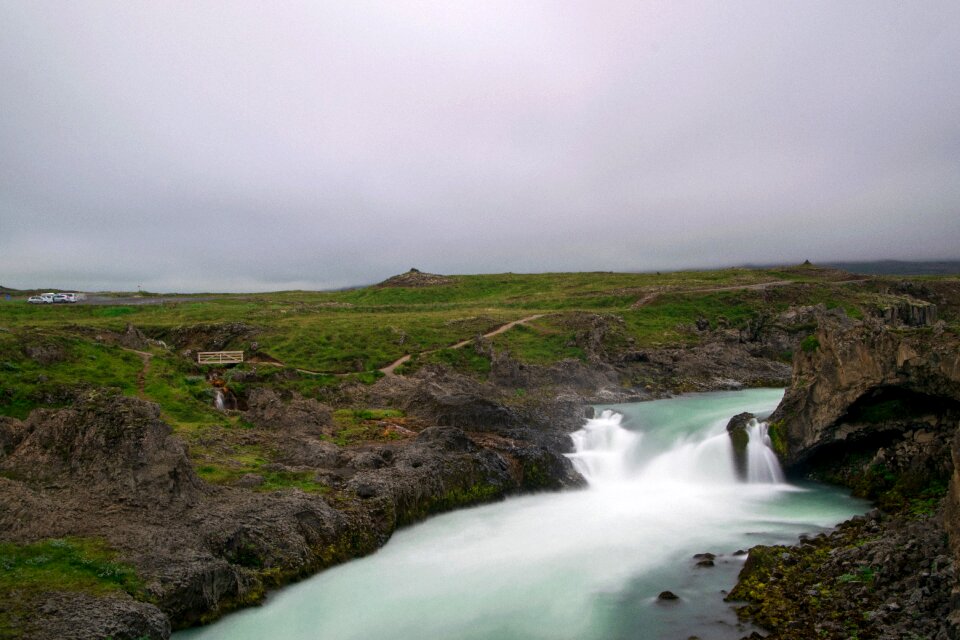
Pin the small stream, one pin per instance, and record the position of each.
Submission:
(576, 565)
(218, 402)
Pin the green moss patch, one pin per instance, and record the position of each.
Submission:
(28, 571)
(788, 591)
(775, 431)
(810, 344)
(542, 342)
(465, 359)
(353, 426)
(224, 463)
(71, 564)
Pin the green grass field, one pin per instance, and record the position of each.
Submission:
(335, 337)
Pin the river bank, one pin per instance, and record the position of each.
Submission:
(883, 576)
(578, 565)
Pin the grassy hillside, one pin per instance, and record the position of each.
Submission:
(365, 329)
(338, 336)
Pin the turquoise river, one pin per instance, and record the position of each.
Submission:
(577, 565)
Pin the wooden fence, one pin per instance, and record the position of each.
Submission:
(219, 357)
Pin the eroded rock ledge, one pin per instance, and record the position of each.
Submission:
(853, 381)
(109, 468)
(873, 405)
(879, 576)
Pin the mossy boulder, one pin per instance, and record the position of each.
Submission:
(737, 430)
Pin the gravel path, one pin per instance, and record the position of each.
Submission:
(390, 369)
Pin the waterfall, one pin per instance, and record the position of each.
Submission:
(218, 399)
(762, 463)
(604, 449)
(606, 452)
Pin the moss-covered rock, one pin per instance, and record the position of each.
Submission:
(740, 439)
(874, 577)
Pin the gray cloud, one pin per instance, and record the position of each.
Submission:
(251, 146)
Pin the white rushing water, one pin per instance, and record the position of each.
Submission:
(218, 400)
(579, 564)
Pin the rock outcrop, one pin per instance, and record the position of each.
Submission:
(117, 444)
(442, 397)
(740, 439)
(210, 337)
(416, 278)
(873, 405)
(909, 312)
(879, 576)
(266, 409)
(118, 617)
(855, 381)
(109, 469)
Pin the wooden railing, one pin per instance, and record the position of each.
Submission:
(219, 357)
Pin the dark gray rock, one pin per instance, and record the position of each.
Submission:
(740, 438)
(266, 409)
(113, 443)
(80, 616)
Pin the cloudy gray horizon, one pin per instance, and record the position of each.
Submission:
(251, 146)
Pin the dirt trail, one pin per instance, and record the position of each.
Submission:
(390, 369)
(142, 374)
(273, 362)
(650, 297)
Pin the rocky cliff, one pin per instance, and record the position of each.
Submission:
(874, 405)
(109, 469)
(869, 398)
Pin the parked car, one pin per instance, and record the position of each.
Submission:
(47, 298)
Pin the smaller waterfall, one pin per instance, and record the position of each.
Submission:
(218, 399)
(762, 463)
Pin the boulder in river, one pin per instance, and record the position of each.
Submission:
(739, 438)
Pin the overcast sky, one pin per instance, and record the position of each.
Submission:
(239, 146)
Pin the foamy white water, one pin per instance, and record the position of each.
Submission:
(218, 400)
(762, 463)
(582, 564)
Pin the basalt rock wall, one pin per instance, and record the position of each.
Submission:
(854, 380)
(110, 469)
(874, 405)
